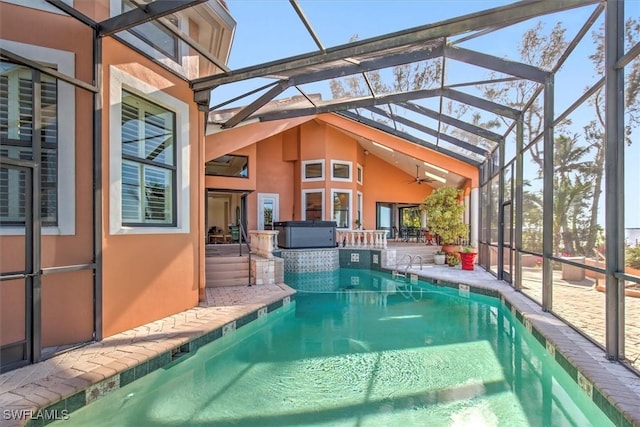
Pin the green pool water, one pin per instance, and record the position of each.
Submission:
(358, 348)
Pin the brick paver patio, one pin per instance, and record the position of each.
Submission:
(37, 386)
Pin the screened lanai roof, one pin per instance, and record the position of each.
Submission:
(450, 63)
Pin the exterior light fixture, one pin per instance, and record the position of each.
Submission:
(439, 169)
(382, 146)
(436, 177)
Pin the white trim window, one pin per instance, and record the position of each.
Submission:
(148, 162)
(341, 207)
(149, 159)
(313, 204)
(341, 170)
(312, 170)
(57, 112)
(157, 36)
(359, 206)
(359, 174)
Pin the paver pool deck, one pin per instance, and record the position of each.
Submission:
(64, 375)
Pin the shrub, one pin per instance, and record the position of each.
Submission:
(632, 257)
(445, 214)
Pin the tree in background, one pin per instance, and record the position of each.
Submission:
(406, 77)
(578, 160)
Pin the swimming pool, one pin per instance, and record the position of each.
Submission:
(360, 348)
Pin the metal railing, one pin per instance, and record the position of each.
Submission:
(244, 239)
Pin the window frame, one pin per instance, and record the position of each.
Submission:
(303, 204)
(359, 205)
(310, 162)
(64, 62)
(229, 176)
(349, 209)
(174, 56)
(182, 65)
(145, 106)
(119, 81)
(359, 174)
(347, 163)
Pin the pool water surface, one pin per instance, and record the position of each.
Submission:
(359, 348)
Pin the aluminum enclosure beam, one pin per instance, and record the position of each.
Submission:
(350, 104)
(460, 124)
(142, 14)
(422, 128)
(547, 197)
(483, 104)
(46, 70)
(614, 179)
(330, 107)
(255, 105)
(464, 24)
(352, 69)
(384, 128)
(73, 13)
(629, 56)
(496, 64)
(306, 23)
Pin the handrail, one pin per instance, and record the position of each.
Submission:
(401, 259)
(243, 235)
(417, 256)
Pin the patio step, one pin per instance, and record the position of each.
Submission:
(227, 271)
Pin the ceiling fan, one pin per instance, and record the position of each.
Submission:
(418, 179)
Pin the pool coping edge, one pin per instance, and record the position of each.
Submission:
(104, 380)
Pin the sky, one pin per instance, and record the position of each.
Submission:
(269, 30)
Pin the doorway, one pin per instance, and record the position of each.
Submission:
(268, 210)
(385, 218)
(223, 216)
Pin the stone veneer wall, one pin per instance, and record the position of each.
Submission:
(266, 271)
(309, 260)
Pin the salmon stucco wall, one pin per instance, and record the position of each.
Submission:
(67, 298)
(150, 276)
(385, 183)
(276, 177)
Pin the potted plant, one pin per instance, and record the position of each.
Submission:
(468, 257)
(452, 259)
(439, 257)
(444, 216)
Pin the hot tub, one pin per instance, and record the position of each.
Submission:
(306, 234)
